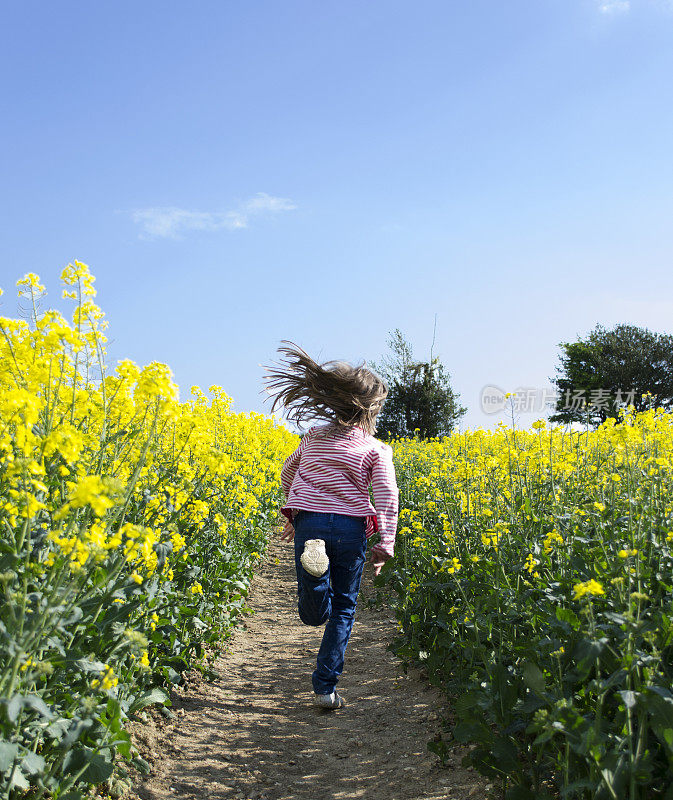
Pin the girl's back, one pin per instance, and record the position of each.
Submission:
(338, 463)
(331, 471)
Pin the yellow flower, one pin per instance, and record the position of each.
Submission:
(531, 563)
(196, 588)
(31, 280)
(590, 588)
(89, 490)
(491, 538)
(552, 539)
(108, 679)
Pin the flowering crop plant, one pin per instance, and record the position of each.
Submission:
(534, 583)
(130, 524)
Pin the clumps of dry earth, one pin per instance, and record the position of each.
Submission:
(251, 732)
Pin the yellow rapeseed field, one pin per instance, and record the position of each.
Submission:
(130, 524)
(534, 575)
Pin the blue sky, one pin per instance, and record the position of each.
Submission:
(237, 173)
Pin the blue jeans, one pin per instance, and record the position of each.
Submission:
(346, 545)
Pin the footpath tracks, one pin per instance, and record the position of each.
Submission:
(252, 734)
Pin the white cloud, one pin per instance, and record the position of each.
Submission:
(170, 222)
(265, 202)
(614, 6)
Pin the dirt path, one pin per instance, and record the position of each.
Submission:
(252, 733)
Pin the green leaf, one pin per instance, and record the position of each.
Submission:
(90, 666)
(77, 728)
(100, 768)
(8, 752)
(32, 701)
(32, 763)
(588, 651)
(469, 702)
(58, 729)
(142, 765)
(14, 707)
(73, 761)
(659, 703)
(569, 616)
(99, 765)
(505, 754)
(123, 744)
(172, 675)
(155, 695)
(38, 704)
(533, 677)
(473, 731)
(19, 781)
(439, 748)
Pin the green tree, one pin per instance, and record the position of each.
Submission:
(420, 397)
(611, 369)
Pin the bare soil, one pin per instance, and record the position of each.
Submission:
(252, 732)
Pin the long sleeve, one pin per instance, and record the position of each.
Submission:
(290, 466)
(386, 497)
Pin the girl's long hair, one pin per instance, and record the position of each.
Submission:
(335, 390)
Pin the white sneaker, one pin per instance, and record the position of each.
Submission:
(334, 700)
(314, 558)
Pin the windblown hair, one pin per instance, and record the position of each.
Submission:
(336, 391)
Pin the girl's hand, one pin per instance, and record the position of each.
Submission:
(288, 532)
(378, 559)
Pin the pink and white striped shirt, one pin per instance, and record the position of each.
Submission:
(331, 472)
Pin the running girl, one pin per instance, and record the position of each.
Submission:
(326, 483)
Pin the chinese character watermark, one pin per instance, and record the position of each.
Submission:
(529, 399)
